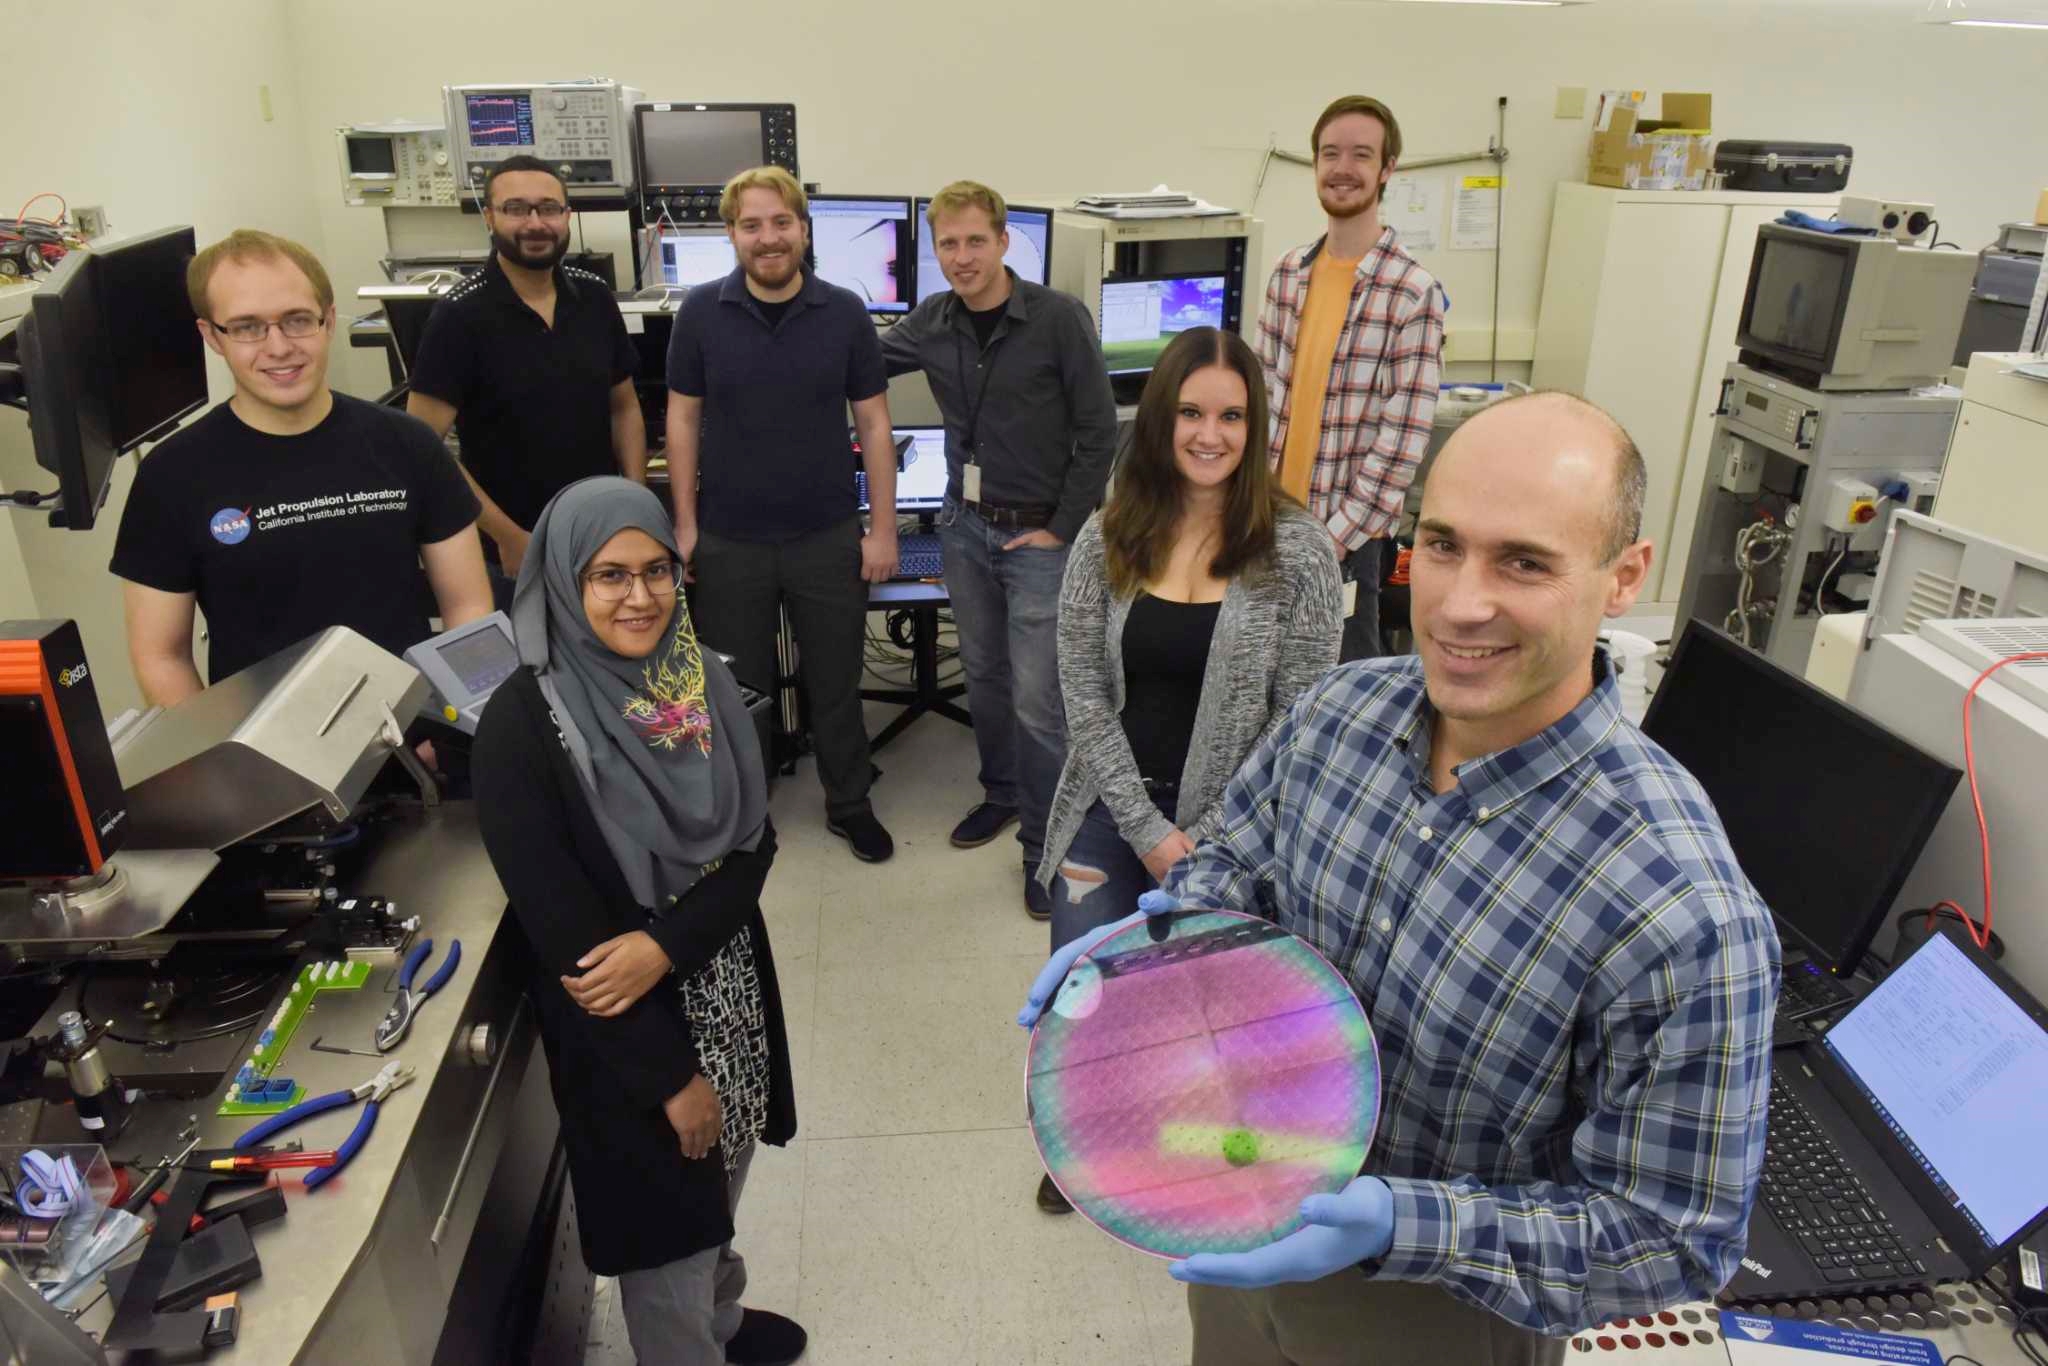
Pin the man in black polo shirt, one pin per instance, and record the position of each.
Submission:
(529, 361)
(289, 508)
(1030, 434)
(761, 368)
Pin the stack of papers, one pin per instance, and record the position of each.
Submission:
(1159, 202)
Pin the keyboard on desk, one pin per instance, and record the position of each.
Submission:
(1813, 1195)
(918, 557)
(1808, 989)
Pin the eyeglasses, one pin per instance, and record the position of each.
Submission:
(518, 210)
(249, 331)
(616, 585)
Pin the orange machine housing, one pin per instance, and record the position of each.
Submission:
(62, 809)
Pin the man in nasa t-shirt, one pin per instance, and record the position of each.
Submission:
(289, 508)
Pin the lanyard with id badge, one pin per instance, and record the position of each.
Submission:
(970, 467)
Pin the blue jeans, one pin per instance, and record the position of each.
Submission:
(1109, 879)
(1006, 607)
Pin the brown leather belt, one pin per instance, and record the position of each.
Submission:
(1011, 518)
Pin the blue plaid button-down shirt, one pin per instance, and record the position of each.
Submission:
(1570, 980)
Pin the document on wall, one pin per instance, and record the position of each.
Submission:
(1475, 216)
(1413, 206)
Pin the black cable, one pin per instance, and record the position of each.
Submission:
(1934, 236)
(30, 498)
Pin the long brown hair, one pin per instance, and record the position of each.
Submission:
(1139, 524)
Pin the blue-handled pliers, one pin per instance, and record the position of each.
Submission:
(373, 1091)
(391, 1030)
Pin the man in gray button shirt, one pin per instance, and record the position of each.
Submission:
(1030, 434)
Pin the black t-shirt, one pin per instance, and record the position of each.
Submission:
(532, 403)
(1165, 652)
(773, 309)
(772, 464)
(283, 536)
(985, 320)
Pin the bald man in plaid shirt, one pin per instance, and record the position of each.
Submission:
(1569, 979)
(1352, 337)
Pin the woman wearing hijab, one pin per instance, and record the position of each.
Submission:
(623, 805)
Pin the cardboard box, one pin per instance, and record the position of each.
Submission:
(1674, 151)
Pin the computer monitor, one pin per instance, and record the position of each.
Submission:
(1950, 1056)
(864, 243)
(1141, 314)
(690, 257)
(110, 359)
(920, 470)
(1030, 253)
(1839, 311)
(694, 146)
(1827, 811)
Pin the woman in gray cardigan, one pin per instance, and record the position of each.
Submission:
(1197, 605)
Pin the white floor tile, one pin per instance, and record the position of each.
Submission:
(907, 1046)
(928, 1249)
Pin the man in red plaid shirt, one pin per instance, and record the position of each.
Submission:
(1352, 337)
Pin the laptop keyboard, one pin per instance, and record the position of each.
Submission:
(918, 556)
(1807, 990)
(1814, 1195)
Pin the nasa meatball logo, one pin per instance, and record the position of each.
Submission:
(230, 526)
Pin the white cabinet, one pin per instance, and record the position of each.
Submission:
(1641, 294)
(1996, 479)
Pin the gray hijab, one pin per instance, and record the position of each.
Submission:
(663, 745)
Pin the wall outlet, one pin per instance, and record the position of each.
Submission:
(90, 222)
(1571, 101)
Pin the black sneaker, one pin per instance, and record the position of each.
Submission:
(864, 834)
(1049, 1199)
(982, 824)
(766, 1339)
(1037, 900)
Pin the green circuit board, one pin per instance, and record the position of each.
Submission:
(276, 1036)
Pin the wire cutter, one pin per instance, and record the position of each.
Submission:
(392, 1029)
(394, 1075)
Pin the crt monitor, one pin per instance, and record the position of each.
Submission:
(920, 470)
(1827, 811)
(863, 243)
(110, 359)
(1141, 314)
(686, 257)
(1030, 253)
(1840, 311)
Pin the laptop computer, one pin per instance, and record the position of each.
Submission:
(1826, 810)
(920, 489)
(1904, 1143)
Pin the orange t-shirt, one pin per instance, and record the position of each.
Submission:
(1322, 319)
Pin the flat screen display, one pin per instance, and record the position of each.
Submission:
(481, 660)
(864, 245)
(1140, 317)
(688, 259)
(682, 146)
(499, 119)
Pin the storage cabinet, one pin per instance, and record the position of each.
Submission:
(1641, 293)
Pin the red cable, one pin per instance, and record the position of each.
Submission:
(64, 210)
(1980, 934)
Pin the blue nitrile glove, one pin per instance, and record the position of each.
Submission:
(1354, 1225)
(1062, 962)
